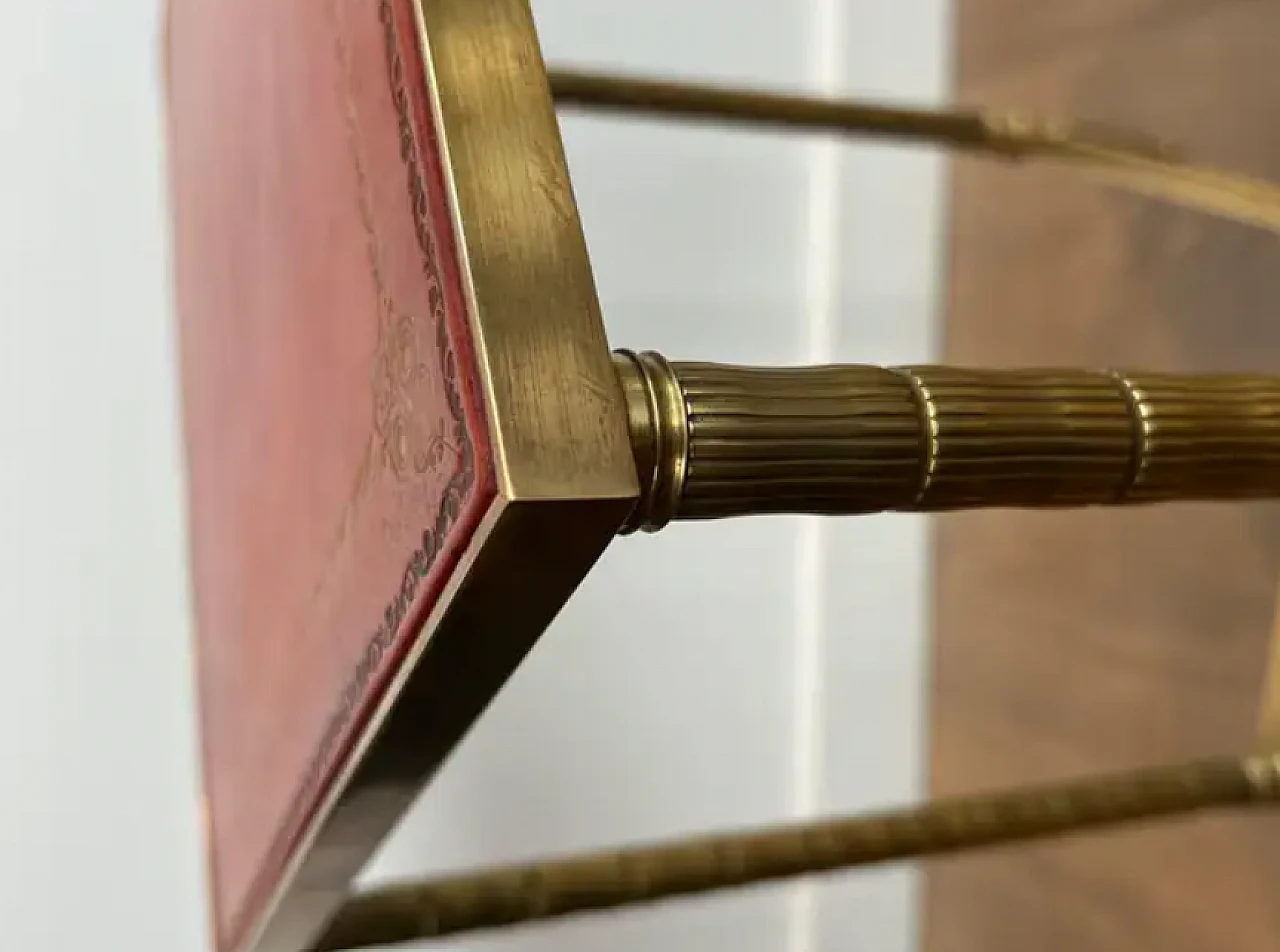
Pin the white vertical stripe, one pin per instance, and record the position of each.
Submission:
(819, 250)
(878, 598)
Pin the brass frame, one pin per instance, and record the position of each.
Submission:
(566, 478)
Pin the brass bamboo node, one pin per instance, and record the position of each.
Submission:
(1019, 135)
(659, 423)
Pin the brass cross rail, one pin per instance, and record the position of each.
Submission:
(626, 877)
(1008, 134)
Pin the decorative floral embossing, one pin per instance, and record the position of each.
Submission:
(409, 443)
(396, 365)
(404, 442)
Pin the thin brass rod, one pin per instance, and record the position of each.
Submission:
(1005, 134)
(1116, 157)
(647, 873)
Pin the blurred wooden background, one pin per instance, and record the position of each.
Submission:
(1077, 642)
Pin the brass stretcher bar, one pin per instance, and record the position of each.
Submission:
(624, 877)
(1013, 135)
(1115, 156)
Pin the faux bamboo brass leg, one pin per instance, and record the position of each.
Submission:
(1121, 158)
(715, 441)
(644, 874)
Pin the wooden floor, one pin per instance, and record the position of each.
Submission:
(1077, 642)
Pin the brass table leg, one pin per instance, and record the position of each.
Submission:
(715, 441)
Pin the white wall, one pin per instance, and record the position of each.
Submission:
(98, 844)
(712, 675)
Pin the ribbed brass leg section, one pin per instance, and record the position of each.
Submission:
(820, 439)
(1023, 438)
(644, 874)
(714, 441)
(1210, 437)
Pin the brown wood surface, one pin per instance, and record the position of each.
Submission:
(1075, 642)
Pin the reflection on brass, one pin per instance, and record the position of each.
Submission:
(644, 874)
(1117, 157)
(714, 441)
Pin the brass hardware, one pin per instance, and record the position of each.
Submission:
(1117, 157)
(714, 441)
(1011, 135)
(644, 874)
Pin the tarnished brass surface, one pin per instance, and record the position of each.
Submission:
(1117, 157)
(644, 874)
(720, 441)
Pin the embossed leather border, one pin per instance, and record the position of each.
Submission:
(356, 701)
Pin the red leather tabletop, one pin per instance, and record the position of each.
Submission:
(337, 448)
